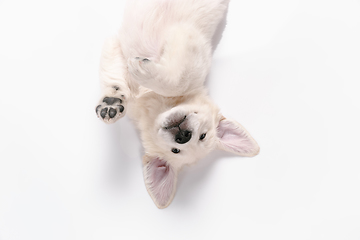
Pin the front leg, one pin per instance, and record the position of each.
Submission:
(115, 89)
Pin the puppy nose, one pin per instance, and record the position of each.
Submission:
(183, 136)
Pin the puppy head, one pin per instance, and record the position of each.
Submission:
(182, 135)
(186, 132)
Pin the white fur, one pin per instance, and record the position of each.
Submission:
(157, 66)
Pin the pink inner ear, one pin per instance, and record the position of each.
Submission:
(160, 179)
(235, 138)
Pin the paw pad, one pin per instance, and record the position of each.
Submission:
(112, 100)
(142, 59)
(110, 109)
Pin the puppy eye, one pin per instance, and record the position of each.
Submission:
(202, 136)
(175, 150)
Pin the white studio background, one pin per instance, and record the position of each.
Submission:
(288, 70)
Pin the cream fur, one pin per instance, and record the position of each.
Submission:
(157, 66)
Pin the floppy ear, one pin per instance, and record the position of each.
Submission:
(160, 180)
(235, 139)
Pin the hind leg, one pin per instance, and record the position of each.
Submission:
(143, 69)
(181, 68)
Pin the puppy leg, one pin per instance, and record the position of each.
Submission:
(115, 90)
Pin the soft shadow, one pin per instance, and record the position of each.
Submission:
(219, 32)
(116, 161)
(217, 38)
(118, 165)
(192, 178)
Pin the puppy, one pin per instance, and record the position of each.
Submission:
(154, 71)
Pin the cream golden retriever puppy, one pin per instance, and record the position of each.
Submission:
(154, 71)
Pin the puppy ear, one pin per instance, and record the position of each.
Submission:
(235, 139)
(160, 180)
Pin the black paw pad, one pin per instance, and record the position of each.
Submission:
(110, 109)
(111, 100)
(143, 59)
(112, 113)
(97, 108)
(103, 112)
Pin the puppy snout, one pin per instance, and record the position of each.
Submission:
(183, 136)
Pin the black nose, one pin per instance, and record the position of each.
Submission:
(183, 136)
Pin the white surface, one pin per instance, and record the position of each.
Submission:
(287, 70)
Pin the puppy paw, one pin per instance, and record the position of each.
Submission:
(142, 59)
(141, 68)
(110, 109)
